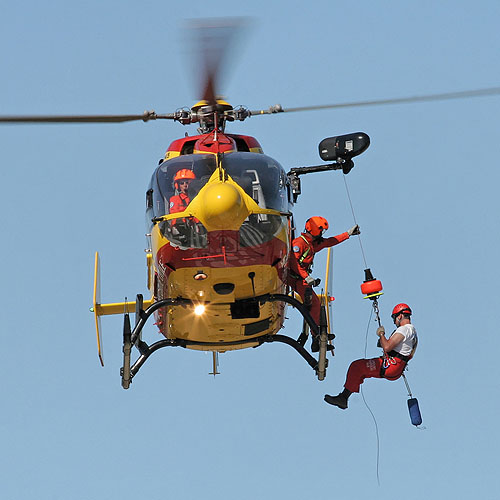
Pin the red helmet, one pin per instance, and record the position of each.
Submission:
(184, 173)
(316, 225)
(400, 309)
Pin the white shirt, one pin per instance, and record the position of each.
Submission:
(410, 338)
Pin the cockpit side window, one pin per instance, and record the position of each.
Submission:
(199, 167)
(149, 199)
(261, 177)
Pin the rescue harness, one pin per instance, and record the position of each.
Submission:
(306, 252)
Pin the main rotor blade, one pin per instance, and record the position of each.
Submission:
(146, 116)
(214, 41)
(379, 102)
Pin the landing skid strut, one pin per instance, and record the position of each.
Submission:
(133, 337)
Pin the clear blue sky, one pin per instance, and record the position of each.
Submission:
(425, 195)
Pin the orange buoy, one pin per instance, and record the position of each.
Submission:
(370, 286)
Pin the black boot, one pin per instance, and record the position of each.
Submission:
(315, 345)
(340, 400)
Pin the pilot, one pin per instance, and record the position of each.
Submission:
(301, 261)
(398, 350)
(180, 201)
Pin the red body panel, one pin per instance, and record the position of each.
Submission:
(186, 144)
(224, 251)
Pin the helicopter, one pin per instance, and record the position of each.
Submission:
(217, 262)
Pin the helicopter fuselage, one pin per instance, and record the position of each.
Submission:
(229, 245)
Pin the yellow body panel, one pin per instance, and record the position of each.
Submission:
(181, 283)
(96, 301)
(118, 307)
(328, 275)
(150, 270)
(171, 154)
(216, 323)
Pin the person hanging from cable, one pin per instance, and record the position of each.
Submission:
(301, 260)
(398, 350)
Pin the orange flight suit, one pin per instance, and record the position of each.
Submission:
(304, 248)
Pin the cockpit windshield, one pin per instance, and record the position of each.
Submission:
(177, 181)
(260, 176)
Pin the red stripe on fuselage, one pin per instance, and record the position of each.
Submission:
(224, 250)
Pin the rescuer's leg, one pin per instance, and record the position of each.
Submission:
(315, 308)
(297, 286)
(356, 374)
(361, 369)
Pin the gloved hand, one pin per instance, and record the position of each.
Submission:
(354, 230)
(380, 331)
(310, 281)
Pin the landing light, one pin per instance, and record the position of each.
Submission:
(199, 309)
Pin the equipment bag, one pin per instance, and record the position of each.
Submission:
(415, 417)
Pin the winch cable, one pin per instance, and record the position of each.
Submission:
(377, 317)
(355, 221)
(373, 299)
(366, 404)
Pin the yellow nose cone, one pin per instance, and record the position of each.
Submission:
(223, 207)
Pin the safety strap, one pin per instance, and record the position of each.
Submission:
(395, 354)
(184, 202)
(383, 367)
(386, 361)
(306, 253)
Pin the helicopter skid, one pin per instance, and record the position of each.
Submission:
(133, 338)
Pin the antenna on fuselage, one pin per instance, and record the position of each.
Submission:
(215, 364)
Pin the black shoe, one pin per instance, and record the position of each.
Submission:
(339, 401)
(315, 344)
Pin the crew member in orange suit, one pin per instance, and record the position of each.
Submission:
(180, 201)
(301, 261)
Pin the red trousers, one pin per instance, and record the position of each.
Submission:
(299, 286)
(368, 368)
